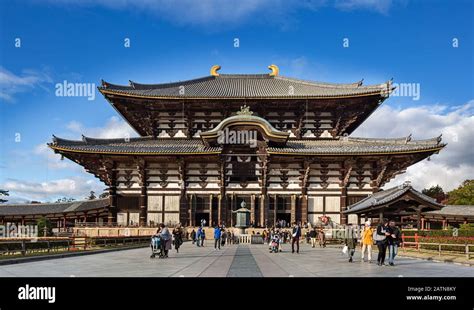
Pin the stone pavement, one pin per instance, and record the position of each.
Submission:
(231, 261)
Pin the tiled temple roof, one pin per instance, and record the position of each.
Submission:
(164, 146)
(387, 196)
(247, 86)
(53, 208)
(453, 210)
(140, 145)
(357, 146)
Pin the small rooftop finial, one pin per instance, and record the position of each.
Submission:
(275, 70)
(244, 110)
(214, 70)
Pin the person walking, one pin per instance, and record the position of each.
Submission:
(217, 238)
(193, 236)
(167, 240)
(223, 236)
(393, 241)
(177, 237)
(350, 241)
(203, 236)
(296, 234)
(366, 241)
(381, 241)
(198, 236)
(312, 236)
(321, 237)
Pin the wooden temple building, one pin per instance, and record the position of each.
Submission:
(301, 163)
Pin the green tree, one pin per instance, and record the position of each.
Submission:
(105, 194)
(65, 199)
(435, 192)
(463, 195)
(3, 193)
(44, 227)
(92, 196)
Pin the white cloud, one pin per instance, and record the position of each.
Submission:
(51, 159)
(380, 6)
(453, 164)
(114, 128)
(75, 187)
(212, 12)
(11, 84)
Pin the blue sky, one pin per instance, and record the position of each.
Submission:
(83, 41)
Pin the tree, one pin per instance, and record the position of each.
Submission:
(44, 227)
(105, 194)
(3, 193)
(91, 196)
(463, 195)
(435, 192)
(65, 199)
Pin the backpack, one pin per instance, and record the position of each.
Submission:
(378, 237)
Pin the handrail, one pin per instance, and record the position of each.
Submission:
(24, 246)
(417, 244)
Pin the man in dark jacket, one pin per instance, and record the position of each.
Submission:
(296, 234)
(393, 241)
(217, 238)
(312, 236)
(350, 241)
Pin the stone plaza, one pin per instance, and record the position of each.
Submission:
(243, 260)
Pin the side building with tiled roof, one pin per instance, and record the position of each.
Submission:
(279, 144)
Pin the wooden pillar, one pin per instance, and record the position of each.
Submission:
(422, 223)
(252, 209)
(263, 210)
(192, 209)
(211, 224)
(184, 205)
(184, 208)
(219, 209)
(112, 214)
(304, 208)
(232, 201)
(380, 217)
(343, 205)
(143, 206)
(275, 204)
(293, 209)
(418, 218)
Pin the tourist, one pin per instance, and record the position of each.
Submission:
(167, 240)
(198, 236)
(193, 236)
(307, 237)
(296, 234)
(231, 237)
(223, 236)
(217, 238)
(380, 239)
(366, 241)
(178, 237)
(321, 237)
(203, 236)
(393, 241)
(350, 241)
(312, 236)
